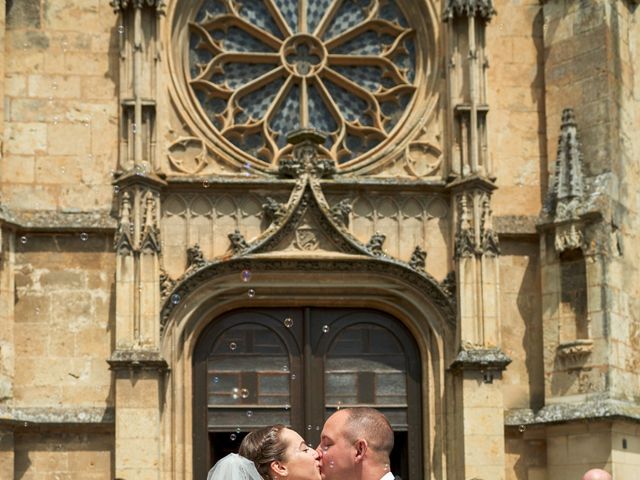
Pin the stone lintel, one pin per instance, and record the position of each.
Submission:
(35, 416)
(597, 409)
(472, 182)
(137, 360)
(491, 359)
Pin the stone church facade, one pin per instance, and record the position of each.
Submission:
(221, 214)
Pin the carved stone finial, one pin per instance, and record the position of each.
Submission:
(238, 243)
(449, 284)
(167, 284)
(469, 8)
(465, 243)
(341, 211)
(123, 242)
(305, 157)
(150, 241)
(195, 258)
(418, 259)
(273, 210)
(566, 194)
(490, 242)
(375, 244)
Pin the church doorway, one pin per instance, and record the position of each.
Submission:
(296, 366)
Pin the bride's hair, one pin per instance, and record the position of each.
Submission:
(264, 446)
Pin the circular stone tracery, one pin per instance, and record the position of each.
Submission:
(263, 68)
(303, 55)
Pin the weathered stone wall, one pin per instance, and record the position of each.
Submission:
(63, 323)
(523, 381)
(60, 140)
(58, 455)
(515, 84)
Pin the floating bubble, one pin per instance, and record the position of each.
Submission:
(251, 293)
(134, 128)
(249, 413)
(245, 275)
(293, 376)
(522, 428)
(116, 189)
(205, 184)
(325, 329)
(120, 29)
(317, 428)
(84, 236)
(309, 427)
(23, 239)
(175, 299)
(238, 430)
(244, 393)
(287, 406)
(233, 346)
(215, 380)
(332, 464)
(232, 436)
(386, 467)
(37, 310)
(288, 322)
(285, 368)
(234, 394)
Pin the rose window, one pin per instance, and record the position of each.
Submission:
(263, 68)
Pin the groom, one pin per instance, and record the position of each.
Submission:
(355, 445)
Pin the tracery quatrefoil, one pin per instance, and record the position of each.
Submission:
(263, 68)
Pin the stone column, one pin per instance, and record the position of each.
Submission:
(480, 361)
(136, 361)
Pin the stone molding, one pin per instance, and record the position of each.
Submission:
(137, 360)
(30, 416)
(481, 359)
(58, 220)
(599, 408)
(575, 352)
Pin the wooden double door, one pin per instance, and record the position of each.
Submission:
(297, 366)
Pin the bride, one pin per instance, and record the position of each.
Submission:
(271, 453)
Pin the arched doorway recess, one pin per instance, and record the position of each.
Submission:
(296, 366)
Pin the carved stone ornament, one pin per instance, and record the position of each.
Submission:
(469, 8)
(465, 242)
(238, 243)
(150, 241)
(490, 242)
(567, 192)
(195, 258)
(120, 5)
(167, 284)
(418, 259)
(305, 157)
(574, 353)
(341, 211)
(448, 285)
(375, 244)
(273, 210)
(123, 242)
(306, 238)
(568, 237)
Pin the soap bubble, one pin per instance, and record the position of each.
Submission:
(245, 275)
(84, 236)
(249, 413)
(251, 293)
(244, 393)
(325, 329)
(23, 239)
(215, 380)
(288, 322)
(232, 436)
(233, 346)
(175, 299)
(120, 29)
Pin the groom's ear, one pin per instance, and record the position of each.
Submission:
(361, 447)
(278, 469)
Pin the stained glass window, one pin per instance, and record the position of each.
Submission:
(263, 68)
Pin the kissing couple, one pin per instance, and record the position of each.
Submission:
(355, 444)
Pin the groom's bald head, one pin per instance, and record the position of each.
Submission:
(596, 474)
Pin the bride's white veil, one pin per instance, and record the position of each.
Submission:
(234, 467)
